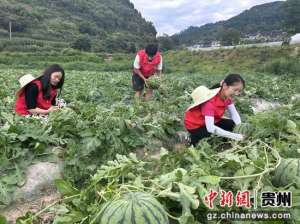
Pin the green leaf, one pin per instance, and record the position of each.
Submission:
(214, 180)
(186, 218)
(291, 126)
(65, 187)
(10, 179)
(173, 176)
(73, 217)
(90, 145)
(169, 194)
(4, 195)
(133, 157)
(163, 153)
(19, 177)
(138, 182)
(26, 219)
(4, 162)
(188, 198)
(3, 220)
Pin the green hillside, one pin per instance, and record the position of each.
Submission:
(97, 25)
(265, 19)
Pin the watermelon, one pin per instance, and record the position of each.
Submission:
(244, 129)
(154, 82)
(133, 208)
(287, 172)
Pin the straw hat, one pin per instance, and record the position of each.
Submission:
(24, 81)
(202, 94)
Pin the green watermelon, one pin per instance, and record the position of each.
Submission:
(244, 129)
(154, 82)
(287, 172)
(133, 208)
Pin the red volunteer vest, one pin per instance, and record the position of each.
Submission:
(195, 117)
(148, 68)
(21, 108)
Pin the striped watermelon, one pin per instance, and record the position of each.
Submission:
(134, 208)
(287, 172)
(154, 82)
(244, 129)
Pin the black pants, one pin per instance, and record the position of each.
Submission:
(199, 133)
(137, 82)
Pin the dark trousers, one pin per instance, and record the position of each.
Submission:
(199, 133)
(138, 83)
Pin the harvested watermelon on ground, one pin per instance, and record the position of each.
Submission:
(287, 173)
(134, 207)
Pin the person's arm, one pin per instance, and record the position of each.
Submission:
(234, 115)
(42, 111)
(159, 67)
(31, 94)
(213, 129)
(207, 110)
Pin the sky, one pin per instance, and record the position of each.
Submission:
(173, 16)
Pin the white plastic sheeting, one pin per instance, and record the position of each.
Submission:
(295, 39)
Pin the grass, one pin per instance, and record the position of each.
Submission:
(273, 60)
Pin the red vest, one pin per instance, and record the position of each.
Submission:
(148, 68)
(195, 117)
(21, 108)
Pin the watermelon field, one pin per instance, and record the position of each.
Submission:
(122, 158)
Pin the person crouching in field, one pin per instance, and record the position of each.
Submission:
(147, 62)
(204, 117)
(37, 96)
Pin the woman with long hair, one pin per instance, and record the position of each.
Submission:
(37, 96)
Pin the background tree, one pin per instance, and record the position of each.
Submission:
(165, 43)
(230, 37)
(82, 43)
(292, 8)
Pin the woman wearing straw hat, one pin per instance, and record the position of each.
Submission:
(37, 96)
(204, 116)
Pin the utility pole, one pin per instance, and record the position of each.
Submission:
(9, 30)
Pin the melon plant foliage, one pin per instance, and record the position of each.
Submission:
(114, 145)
